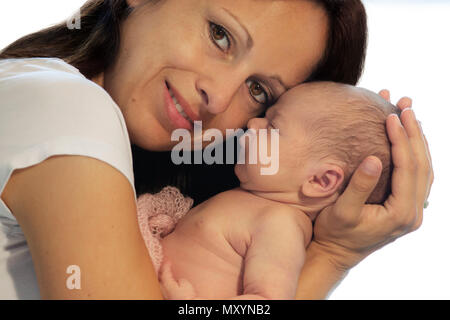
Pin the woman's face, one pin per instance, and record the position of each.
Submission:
(221, 62)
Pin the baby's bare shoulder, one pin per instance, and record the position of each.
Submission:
(279, 212)
(238, 199)
(236, 194)
(286, 217)
(262, 208)
(256, 211)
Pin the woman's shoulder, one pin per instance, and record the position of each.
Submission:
(48, 108)
(15, 66)
(49, 93)
(40, 73)
(47, 80)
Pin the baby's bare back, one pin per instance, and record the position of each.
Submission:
(209, 244)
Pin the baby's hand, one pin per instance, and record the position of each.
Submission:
(173, 289)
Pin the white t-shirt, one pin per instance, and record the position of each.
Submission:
(47, 107)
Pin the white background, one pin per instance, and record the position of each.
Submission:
(409, 52)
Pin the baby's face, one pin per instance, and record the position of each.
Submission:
(289, 117)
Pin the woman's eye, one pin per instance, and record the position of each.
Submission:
(220, 36)
(257, 92)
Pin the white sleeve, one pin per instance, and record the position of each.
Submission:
(46, 113)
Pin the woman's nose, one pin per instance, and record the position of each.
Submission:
(218, 91)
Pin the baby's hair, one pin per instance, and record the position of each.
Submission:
(350, 128)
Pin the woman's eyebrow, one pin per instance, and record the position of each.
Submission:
(276, 78)
(249, 37)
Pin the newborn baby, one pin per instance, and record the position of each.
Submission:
(249, 242)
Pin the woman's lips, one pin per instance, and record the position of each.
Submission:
(178, 121)
(184, 104)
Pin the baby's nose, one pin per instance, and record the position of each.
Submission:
(256, 123)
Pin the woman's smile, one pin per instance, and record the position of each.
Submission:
(178, 110)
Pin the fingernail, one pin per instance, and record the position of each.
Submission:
(371, 166)
(412, 111)
(397, 119)
(393, 115)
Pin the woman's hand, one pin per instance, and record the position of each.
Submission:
(350, 230)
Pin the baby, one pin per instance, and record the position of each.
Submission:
(249, 242)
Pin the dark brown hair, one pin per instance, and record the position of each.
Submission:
(93, 48)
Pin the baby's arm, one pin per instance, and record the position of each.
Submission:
(274, 258)
(273, 262)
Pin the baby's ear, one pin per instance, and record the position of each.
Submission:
(324, 181)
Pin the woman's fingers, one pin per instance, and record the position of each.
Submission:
(423, 158)
(404, 177)
(431, 179)
(421, 144)
(417, 140)
(430, 162)
(404, 103)
(361, 185)
(385, 94)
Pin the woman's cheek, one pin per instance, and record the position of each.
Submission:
(186, 48)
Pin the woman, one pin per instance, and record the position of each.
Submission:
(224, 62)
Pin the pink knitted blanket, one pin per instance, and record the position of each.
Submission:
(158, 215)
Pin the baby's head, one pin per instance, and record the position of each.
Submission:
(325, 131)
